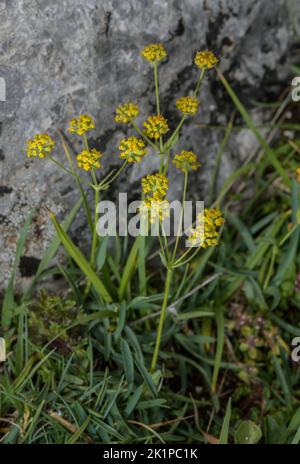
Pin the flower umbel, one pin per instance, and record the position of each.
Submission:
(126, 113)
(205, 59)
(155, 209)
(81, 125)
(132, 149)
(41, 145)
(89, 159)
(155, 185)
(156, 126)
(186, 161)
(154, 52)
(206, 234)
(187, 105)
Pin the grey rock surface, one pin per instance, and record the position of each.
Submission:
(60, 58)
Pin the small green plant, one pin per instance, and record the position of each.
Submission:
(154, 186)
(148, 341)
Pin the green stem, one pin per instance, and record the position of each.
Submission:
(181, 215)
(174, 135)
(180, 263)
(271, 268)
(195, 93)
(144, 136)
(61, 166)
(161, 320)
(290, 232)
(95, 236)
(85, 142)
(166, 166)
(103, 184)
(156, 87)
(78, 181)
(199, 82)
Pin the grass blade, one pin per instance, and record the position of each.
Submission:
(80, 260)
(248, 120)
(226, 423)
(9, 302)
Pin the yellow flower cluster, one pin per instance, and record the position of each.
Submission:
(156, 126)
(81, 125)
(89, 159)
(154, 52)
(126, 113)
(206, 59)
(41, 145)
(206, 234)
(155, 209)
(186, 160)
(155, 205)
(187, 105)
(155, 186)
(132, 149)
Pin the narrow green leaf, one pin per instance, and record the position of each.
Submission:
(80, 260)
(194, 315)
(223, 440)
(220, 344)
(127, 363)
(248, 120)
(129, 268)
(9, 302)
(76, 435)
(147, 377)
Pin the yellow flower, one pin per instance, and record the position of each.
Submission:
(154, 52)
(155, 185)
(187, 105)
(156, 126)
(89, 159)
(186, 160)
(132, 149)
(206, 234)
(41, 145)
(126, 113)
(205, 59)
(155, 209)
(81, 125)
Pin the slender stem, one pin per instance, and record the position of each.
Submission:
(61, 166)
(166, 166)
(144, 136)
(290, 232)
(95, 236)
(78, 180)
(180, 263)
(161, 320)
(195, 93)
(103, 184)
(165, 241)
(181, 215)
(199, 82)
(156, 87)
(174, 135)
(271, 268)
(85, 142)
